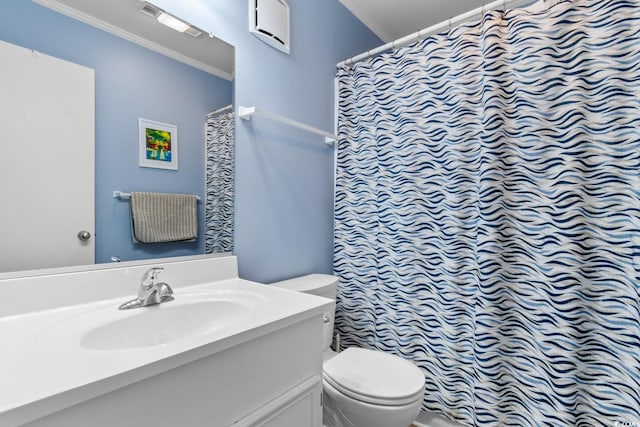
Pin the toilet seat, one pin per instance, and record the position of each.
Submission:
(374, 377)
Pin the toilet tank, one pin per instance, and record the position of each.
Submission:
(322, 285)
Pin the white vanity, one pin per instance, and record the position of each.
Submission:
(225, 352)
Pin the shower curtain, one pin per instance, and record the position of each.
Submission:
(487, 217)
(219, 180)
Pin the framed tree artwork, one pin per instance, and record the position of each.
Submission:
(158, 144)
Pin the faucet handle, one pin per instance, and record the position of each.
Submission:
(150, 276)
(165, 293)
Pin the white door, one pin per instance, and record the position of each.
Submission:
(46, 161)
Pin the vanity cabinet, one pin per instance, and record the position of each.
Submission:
(225, 352)
(271, 380)
(297, 407)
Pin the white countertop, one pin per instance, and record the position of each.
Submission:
(43, 367)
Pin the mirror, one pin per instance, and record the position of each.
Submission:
(142, 70)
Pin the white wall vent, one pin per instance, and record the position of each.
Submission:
(269, 21)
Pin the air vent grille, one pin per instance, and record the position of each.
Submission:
(150, 10)
(269, 21)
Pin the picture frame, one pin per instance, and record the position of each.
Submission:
(158, 144)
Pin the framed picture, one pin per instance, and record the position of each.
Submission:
(158, 144)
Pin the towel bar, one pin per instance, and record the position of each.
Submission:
(245, 113)
(126, 196)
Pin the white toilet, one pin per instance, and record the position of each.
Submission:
(362, 388)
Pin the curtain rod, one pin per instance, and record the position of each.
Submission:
(220, 110)
(434, 29)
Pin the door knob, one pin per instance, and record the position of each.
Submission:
(84, 235)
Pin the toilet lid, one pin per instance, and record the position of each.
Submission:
(374, 377)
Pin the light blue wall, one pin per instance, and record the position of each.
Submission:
(284, 177)
(131, 82)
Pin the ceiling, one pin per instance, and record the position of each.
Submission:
(391, 20)
(123, 18)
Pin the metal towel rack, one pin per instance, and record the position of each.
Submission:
(126, 196)
(245, 113)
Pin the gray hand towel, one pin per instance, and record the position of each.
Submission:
(160, 217)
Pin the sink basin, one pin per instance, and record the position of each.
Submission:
(163, 323)
(103, 327)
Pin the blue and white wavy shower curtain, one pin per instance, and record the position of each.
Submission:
(219, 182)
(488, 214)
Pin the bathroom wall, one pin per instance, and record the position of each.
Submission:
(284, 177)
(131, 82)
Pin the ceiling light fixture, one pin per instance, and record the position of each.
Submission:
(172, 22)
(169, 20)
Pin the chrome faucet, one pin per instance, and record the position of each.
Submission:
(150, 292)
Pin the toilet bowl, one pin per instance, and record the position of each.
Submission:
(361, 387)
